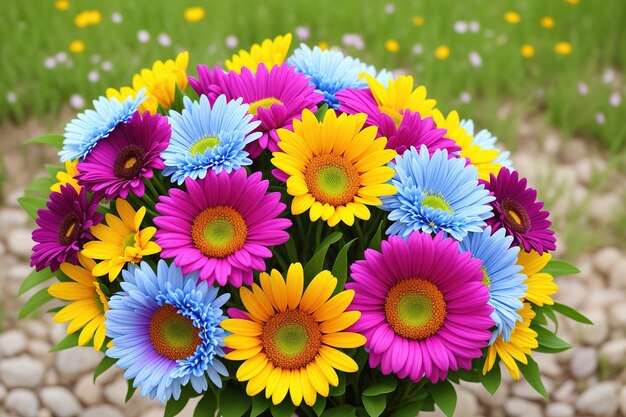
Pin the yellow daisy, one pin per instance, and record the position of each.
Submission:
(121, 241)
(160, 82)
(150, 105)
(289, 344)
(399, 96)
(89, 302)
(335, 167)
(66, 177)
(523, 341)
(540, 284)
(481, 158)
(269, 52)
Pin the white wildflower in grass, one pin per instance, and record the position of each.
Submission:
(93, 76)
(354, 40)
(417, 49)
(49, 62)
(116, 18)
(61, 57)
(11, 97)
(461, 26)
(600, 118)
(583, 89)
(489, 33)
(615, 99)
(164, 40)
(212, 49)
(608, 76)
(465, 97)
(143, 36)
(475, 59)
(95, 59)
(106, 66)
(390, 8)
(69, 63)
(231, 41)
(474, 26)
(77, 101)
(502, 39)
(303, 33)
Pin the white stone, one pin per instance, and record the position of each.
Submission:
(617, 316)
(76, 361)
(39, 348)
(18, 272)
(3, 392)
(572, 292)
(22, 402)
(593, 335)
(35, 328)
(3, 249)
(51, 377)
(584, 362)
(88, 392)
(115, 393)
(559, 410)
(523, 390)
(10, 218)
(58, 331)
(20, 242)
(622, 400)
(547, 364)
(466, 404)
(60, 401)
(12, 342)
(602, 206)
(604, 259)
(617, 276)
(102, 411)
(598, 400)
(153, 412)
(614, 352)
(21, 372)
(517, 407)
(566, 391)
(495, 401)
(44, 412)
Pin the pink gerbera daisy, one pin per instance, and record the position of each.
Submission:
(221, 226)
(423, 306)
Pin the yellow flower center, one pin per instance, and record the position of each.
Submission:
(486, 281)
(68, 229)
(219, 231)
(129, 162)
(515, 216)
(204, 143)
(128, 241)
(264, 103)
(436, 202)
(173, 335)
(333, 180)
(291, 339)
(415, 308)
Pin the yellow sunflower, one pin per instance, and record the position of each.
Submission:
(269, 52)
(89, 302)
(289, 343)
(481, 158)
(523, 341)
(160, 82)
(121, 241)
(335, 167)
(540, 284)
(399, 96)
(67, 177)
(150, 105)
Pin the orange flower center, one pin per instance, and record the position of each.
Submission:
(332, 179)
(219, 231)
(173, 335)
(291, 339)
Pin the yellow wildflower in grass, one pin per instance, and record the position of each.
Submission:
(442, 52)
(482, 159)
(61, 5)
(67, 177)
(335, 167)
(89, 304)
(323, 45)
(392, 46)
(269, 52)
(573, 1)
(291, 342)
(540, 284)
(160, 82)
(547, 22)
(194, 14)
(527, 50)
(87, 18)
(512, 17)
(77, 46)
(120, 241)
(399, 96)
(418, 20)
(563, 48)
(151, 105)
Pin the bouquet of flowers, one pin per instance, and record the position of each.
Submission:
(292, 234)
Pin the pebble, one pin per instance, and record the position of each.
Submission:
(18, 272)
(153, 412)
(466, 404)
(22, 402)
(12, 342)
(44, 412)
(617, 316)
(559, 410)
(35, 328)
(598, 400)
(115, 393)
(517, 407)
(622, 400)
(51, 377)
(20, 242)
(10, 218)
(604, 259)
(101, 411)
(523, 390)
(88, 392)
(3, 392)
(76, 361)
(614, 352)
(60, 401)
(39, 348)
(593, 335)
(547, 364)
(617, 276)
(584, 362)
(565, 392)
(22, 372)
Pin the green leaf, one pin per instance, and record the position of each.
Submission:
(569, 312)
(341, 411)
(233, 401)
(533, 377)
(53, 139)
(53, 169)
(69, 341)
(284, 409)
(321, 112)
(39, 187)
(492, 380)
(340, 267)
(32, 204)
(444, 396)
(549, 340)
(557, 268)
(130, 391)
(378, 237)
(174, 407)
(316, 263)
(259, 404)
(104, 364)
(340, 389)
(375, 405)
(319, 406)
(207, 405)
(292, 251)
(384, 386)
(40, 298)
(409, 409)
(33, 279)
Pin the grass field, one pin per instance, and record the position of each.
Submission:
(468, 53)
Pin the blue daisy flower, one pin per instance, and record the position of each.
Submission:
(166, 331)
(486, 140)
(331, 71)
(205, 137)
(84, 132)
(436, 194)
(501, 275)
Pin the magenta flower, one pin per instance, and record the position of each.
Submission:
(221, 226)
(63, 228)
(411, 130)
(517, 210)
(118, 165)
(423, 306)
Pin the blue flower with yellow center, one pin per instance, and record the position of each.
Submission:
(165, 329)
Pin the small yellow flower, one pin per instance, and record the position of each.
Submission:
(442, 52)
(194, 14)
(77, 46)
(150, 105)
(547, 22)
(392, 46)
(563, 48)
(269, 52)
(87, 18)
(67, 177)
(62, 4)
(323, 45)
(418, 20)
(161, 80)
(573, 1)
(527, 51)
(512, 17)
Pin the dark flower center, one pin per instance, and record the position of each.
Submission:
(69, 229)
(515, 216)
(129, 162)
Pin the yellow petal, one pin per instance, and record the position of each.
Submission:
(126, 212)
(259, 381)
(272, 382)
(281, 387)
(258, 307)
(71, 291)
(242, 327)
(308, 392)
(243, 354)
(302, 203)
(338, 360)
(295, 283)
(318, 291)
(341, 322)
(295, 386)
(251, 367)
(234, 341)
(379, 175)
(279, 291)
(327, 371)
(317, 379)
(344, 340)
(335, 306)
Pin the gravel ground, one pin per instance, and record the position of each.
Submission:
(586, 381)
